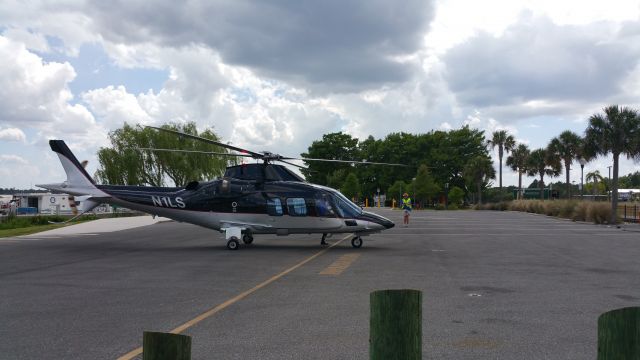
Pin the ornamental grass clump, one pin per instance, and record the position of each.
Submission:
(551, 208)
(567, 208)
(580, 212)
(599, 213)
(596, 212)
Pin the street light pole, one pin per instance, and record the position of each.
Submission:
(582, 161)
(413, 199)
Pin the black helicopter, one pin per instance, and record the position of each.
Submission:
(250, 199)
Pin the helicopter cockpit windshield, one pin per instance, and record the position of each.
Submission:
(346, 208)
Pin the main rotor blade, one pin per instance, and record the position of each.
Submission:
(254, 155)
(362, 162)
(292, 164)
(196, 152)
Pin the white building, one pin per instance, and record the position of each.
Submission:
(628, 194)
(43, 203)
(52, 204)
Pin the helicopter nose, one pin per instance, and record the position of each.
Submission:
(380, 220)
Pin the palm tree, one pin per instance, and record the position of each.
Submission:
(504, 142)
(479, 171)
(542, 162)
(596, 178)
(567, 146)
(517, 161)
(616, 132)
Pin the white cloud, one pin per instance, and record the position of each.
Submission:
(114, 106)
(367, 68)
(327, 46)
(32, 41)
(35, 93)
(445, 126)
(12, 134)
(12, 159)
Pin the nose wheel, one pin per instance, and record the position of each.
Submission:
(233, 244)
(356, 242)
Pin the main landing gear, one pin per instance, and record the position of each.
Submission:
(233, 236)
(234, 244)
(356, 242)
(247, 239)
(324, 237)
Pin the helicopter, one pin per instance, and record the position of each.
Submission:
(250, 199)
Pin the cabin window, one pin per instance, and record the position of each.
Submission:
(296, 207)
(324, 207)
(274, 207)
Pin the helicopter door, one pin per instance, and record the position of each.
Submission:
(324, 207)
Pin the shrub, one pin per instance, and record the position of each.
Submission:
(456, 195)
(580, 212)
(551, 208)
(567, 209)
(599, 213)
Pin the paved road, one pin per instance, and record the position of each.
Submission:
(496, 285)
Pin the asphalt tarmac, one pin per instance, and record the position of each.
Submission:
(496, 285)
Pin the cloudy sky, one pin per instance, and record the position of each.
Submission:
(277, 75)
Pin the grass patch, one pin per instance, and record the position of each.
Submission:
(28, 230)
(25, 225)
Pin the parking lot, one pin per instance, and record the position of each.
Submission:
(499, 285)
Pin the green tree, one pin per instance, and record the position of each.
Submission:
(567, 146)
(517, 161)
(337, 178)
(479, 171)
(124, 163)
(397, 189)
(351, 187)
(630, 181)
(596, 180)
(542, 162)
(425, 185)
(456, 195)
(616, 132)
(504, 142)
(449, 152)
(334, 146)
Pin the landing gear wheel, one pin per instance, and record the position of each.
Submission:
(233, 244)
(356, 242)
(247, 239)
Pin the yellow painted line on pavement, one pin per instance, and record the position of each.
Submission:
(340, 265)
(207, 314)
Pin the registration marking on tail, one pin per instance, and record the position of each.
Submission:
(340, 265)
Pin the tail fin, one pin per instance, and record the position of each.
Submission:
(78, 180)
(72, 199)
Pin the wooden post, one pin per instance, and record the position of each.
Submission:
(165, 346)
(395, 325)
(619, 334)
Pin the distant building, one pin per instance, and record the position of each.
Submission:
(51, 204)
(628, 194)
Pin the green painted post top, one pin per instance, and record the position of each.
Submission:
(165, 346)
(395, 325)
(619, 334)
